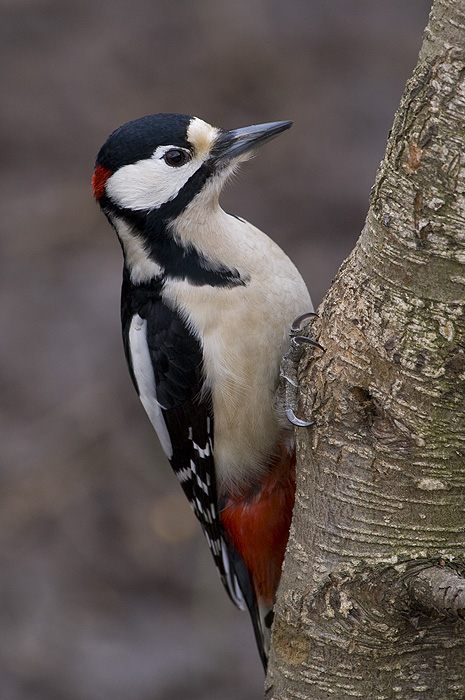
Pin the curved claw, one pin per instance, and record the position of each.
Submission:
(292, 418)
(289, 380)
(301, 339)
(297, 322)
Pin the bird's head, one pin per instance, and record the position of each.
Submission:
(162, 161)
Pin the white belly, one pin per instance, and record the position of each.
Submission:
(244, 331)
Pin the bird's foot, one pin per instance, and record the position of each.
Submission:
(289, 366)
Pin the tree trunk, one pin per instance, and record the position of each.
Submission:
(372, 598)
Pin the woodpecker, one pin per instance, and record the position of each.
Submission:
(206, 306)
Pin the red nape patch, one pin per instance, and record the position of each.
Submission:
(258, 526)
(99, 180)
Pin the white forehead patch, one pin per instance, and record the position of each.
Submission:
(202, 136)
(151, 182)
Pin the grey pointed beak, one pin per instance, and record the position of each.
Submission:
(231, 144)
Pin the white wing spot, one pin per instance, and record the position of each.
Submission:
(205, 452)
(203, 486)
(184, 474)
(202, 452)
(215, 545)
(233, 584)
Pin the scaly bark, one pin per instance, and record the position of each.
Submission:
(370, 602)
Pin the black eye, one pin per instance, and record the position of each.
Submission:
(175, 157)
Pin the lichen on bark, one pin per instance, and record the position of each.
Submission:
(381, 485)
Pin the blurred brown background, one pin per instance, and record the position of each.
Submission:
(107, 591)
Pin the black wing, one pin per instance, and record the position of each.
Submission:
(165, 361)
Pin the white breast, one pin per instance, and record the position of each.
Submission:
(244, 332)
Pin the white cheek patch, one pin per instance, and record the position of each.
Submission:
(143, 373)
(151, 182)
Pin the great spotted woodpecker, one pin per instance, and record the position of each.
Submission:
(207, 303)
